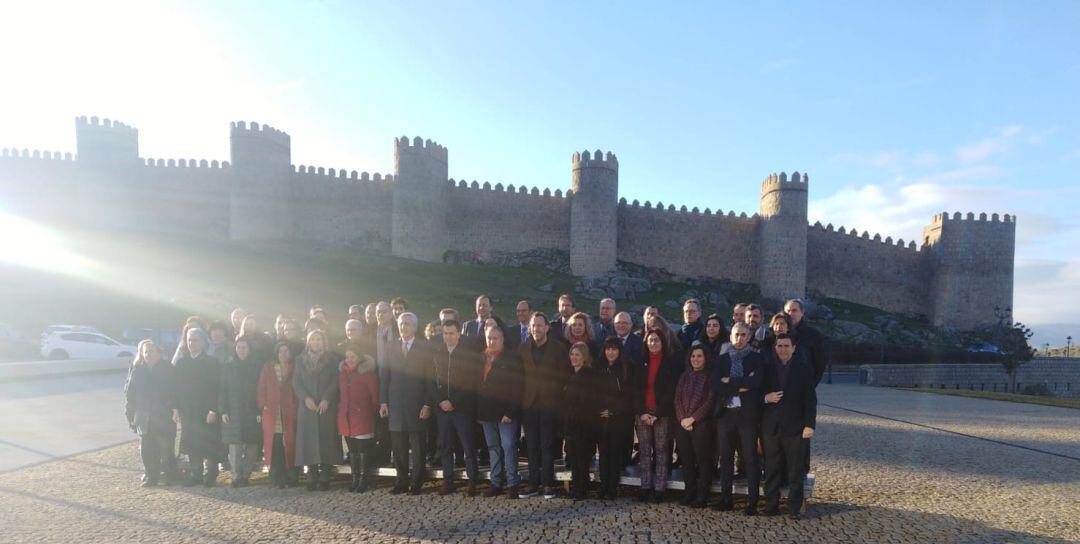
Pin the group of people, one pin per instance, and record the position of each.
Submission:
(699, 395)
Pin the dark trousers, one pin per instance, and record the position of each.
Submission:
(784, 454)
(737, 431)
(696, 452)
(383, 441)
(457, 427)
(540, 439)
(157, 455)
(408, 458)
(616, 440)
(280, 472)
(200, 466)
(580, 447)
(431, 437)
(361, 456)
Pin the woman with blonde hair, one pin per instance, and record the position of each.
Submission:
(315, 380)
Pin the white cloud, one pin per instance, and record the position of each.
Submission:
(990, 147)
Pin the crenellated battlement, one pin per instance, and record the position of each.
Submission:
(341, 174)
(854, 234)
(596, 159)
(418, 144)
(93, 123)
(777, 182)
(265, 132)
(944, 217)
(35, 154)
(186, 163)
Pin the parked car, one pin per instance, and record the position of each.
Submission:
(66, 328)
(14, 346)
(83, 345)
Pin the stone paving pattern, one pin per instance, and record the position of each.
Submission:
(878, 481)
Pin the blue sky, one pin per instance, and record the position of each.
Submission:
(897, 112)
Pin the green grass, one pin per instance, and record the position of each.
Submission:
(1060, 402)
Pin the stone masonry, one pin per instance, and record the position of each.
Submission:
(962, 266)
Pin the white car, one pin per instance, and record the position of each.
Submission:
(83, 345)
(66, 328)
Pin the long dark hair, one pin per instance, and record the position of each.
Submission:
(614, 343)
(665, 348)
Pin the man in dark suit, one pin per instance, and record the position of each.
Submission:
(605, 321)
(518, 332)
(810, 344)
(475, 327)
(457, 371)
(545, 362)
(405, 391)
(736, 381)
(632, 344)
(788, 421)
(557, 328)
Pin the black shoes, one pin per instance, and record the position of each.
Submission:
(688, 499)
(398, 489)
(645, 495)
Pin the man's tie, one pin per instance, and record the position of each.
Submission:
(524, 334)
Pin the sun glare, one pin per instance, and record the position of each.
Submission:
(32, 246)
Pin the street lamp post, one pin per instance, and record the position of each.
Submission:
(1068, 346)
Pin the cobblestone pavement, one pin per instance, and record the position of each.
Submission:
(879, 480)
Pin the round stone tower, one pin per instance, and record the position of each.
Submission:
(594, 213)
(782, 264)
(420, 200)
(261, 192)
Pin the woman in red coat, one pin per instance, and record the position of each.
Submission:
(359, 402)
(278, 403)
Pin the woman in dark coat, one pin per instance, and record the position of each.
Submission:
(581, 418)
(260, 342)
(315, 380)
(714, 335)
(616, 416)
(693, 411)
(654, 409)
(278, 403)
(198, 379)
(241, 425)
(150, 411)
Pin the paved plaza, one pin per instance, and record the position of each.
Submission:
(891, 466)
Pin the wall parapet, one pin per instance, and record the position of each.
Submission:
(185, 163)
(265, 132)
(596, 159)
(341, 174)
(944, 217)
(418, 144)
(854, 234)
(777, 182)
(36, 154)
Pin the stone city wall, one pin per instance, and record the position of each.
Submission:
(1060, 375)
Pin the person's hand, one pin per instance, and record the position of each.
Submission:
(744, 389)
(645, 418)
(384, 410)
(506, 420)
(176, 416)
(324, 405)
(605, 413)
(446, 406)
(774, 397)
(258, 419)
(687, 423)
(425, 412)
(211, 417)
(225, 418)
(808, 432)
(725, 379)
(310, 403)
